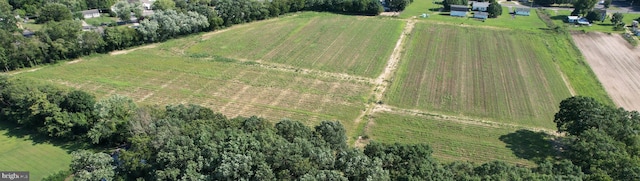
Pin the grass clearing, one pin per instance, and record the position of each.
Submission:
(453, 141)
(418, 7)
(481, 73)
(322, 41)
(23, 154)
(99, 20)
(235, 88)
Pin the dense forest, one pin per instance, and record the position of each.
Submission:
(190, 142)
(62, 37)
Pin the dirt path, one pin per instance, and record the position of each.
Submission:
(287, 68)
(382, 82)
(23, 71)
(459, 119)
(120, 52)
(615, 63)
(566, 81)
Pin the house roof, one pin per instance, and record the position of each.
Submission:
(523, 9)
(481, 4)
(573, 17)
(459, 8)
(91, 11)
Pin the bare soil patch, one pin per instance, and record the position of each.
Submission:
(120, 52)
(615, 63)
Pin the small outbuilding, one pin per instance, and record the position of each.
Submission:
(480, 15)
(523, 11)
(480, 6)
(92, 13)
(572, 19)
(459, 10)
(583, 21)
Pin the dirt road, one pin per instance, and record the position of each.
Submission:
(615, 63)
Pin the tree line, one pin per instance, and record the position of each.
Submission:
(61, 37)
(192, 142)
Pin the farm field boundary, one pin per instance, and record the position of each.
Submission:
(615, 63)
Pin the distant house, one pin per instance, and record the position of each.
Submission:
(92, 13)
(480, 15)
(522, 11)
(27, 33)
(480, 6)
(572, 19)
(459, 10)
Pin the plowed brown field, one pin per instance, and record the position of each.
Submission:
(615, 63)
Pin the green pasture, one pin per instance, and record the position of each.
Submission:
(21, 153)
(353, 45)
(506, 76)
(506, 21)
(452, 141)
(157, 76)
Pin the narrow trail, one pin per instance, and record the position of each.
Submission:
(460, 119)
(121, 52)
(382, 82)
(287, 68)
(566, 81)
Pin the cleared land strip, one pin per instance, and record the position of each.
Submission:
(287, 68)
(457, 119)
(382, 82)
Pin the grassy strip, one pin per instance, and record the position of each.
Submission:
(453, 141)
(629, 37)
(568, 57)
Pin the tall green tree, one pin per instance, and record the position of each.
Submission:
(54, 12)
(7, 19)
(617, 18)
(88, 166)
(494, 9)
(163, 5)
(333, 133)
(114, 114)
(582, 7)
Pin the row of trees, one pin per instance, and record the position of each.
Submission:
(193, 142)
(61, 37)
(31, 8)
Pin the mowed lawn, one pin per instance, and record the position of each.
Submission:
(504, 21)
(454, 141)
(234, 88)
(354, 45)
(39, 159)
(504, 76)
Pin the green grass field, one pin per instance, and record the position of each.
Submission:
(235, 88)
(453, 141)
(506, 76)
(99, 20)
(418, 7)
(319, 41)
(319, 66)
(23, 154)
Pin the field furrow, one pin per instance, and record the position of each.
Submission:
(490, 74)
